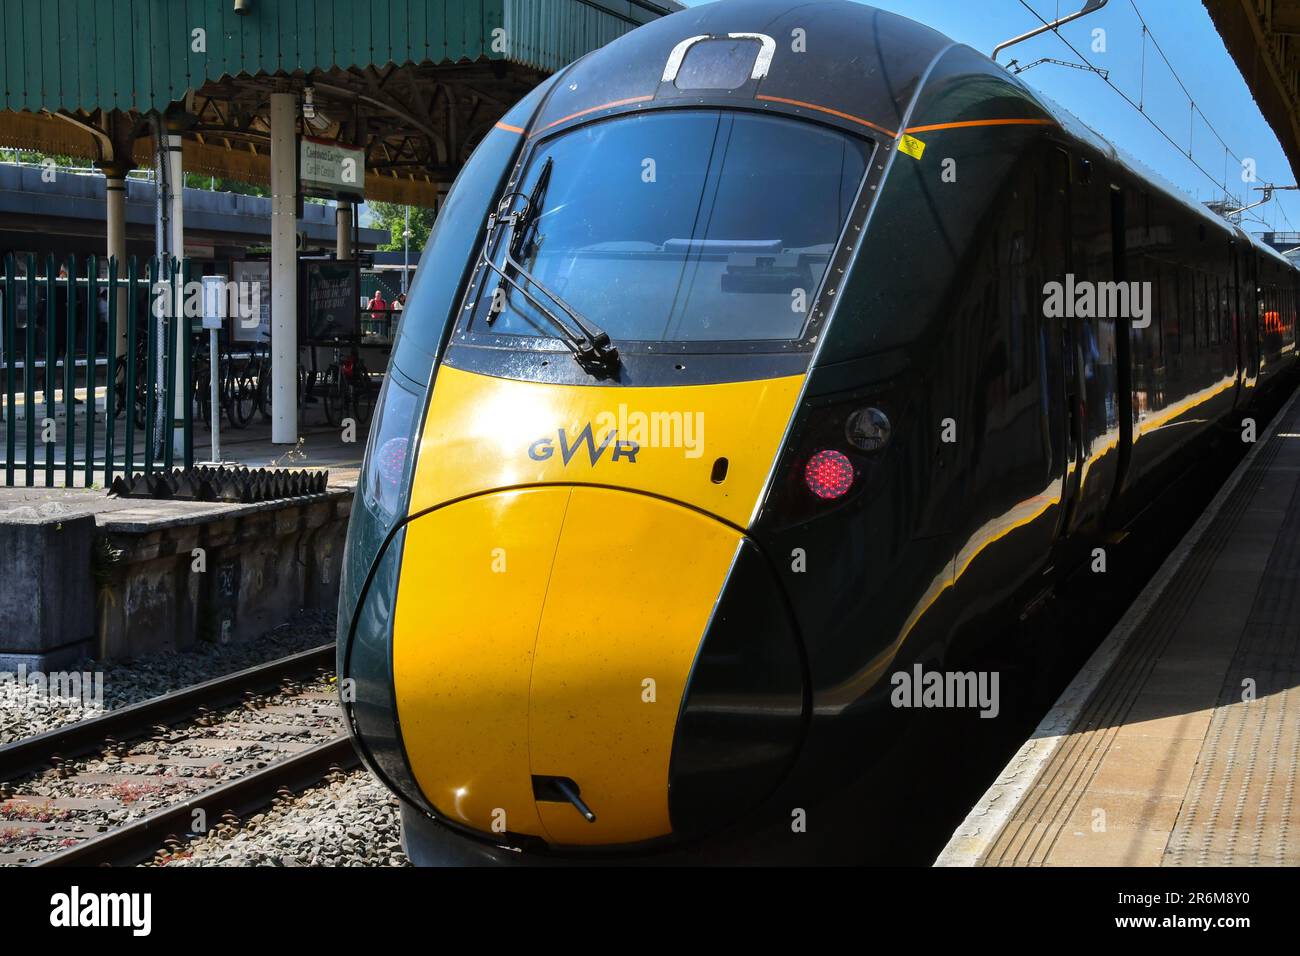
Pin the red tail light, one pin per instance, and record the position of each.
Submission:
(829, 474)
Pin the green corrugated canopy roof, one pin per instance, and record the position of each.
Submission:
(142, 54)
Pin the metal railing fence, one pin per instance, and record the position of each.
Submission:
(89, 370)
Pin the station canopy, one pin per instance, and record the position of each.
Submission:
(415, 83)
(1263, 37)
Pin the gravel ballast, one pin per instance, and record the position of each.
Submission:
(26, 710)
(350, 820)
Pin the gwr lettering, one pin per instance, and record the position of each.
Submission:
(544, 448)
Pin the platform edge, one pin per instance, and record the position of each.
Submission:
(977, 833)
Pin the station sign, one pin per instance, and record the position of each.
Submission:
(327, 168)
(214, 302)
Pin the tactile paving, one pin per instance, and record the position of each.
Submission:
(1240, 808)
(1166, 755)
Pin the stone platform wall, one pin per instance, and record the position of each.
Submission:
(145, 576)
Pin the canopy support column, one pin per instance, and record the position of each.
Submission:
(284, 279)
(176, 176)
(343, 229)
(115, 203)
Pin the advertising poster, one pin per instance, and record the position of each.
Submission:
(329, 310)
(259, 273)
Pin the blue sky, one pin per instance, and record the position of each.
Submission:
(1187, 36)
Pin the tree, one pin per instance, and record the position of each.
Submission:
(203, 181)
(392, 217)
(32, 156)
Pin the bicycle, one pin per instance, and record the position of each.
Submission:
(236, 392)
(349, 390)
(240, 390)
(261, 372)
(202, 395)
(140, 403)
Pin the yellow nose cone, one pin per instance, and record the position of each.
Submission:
(550, 632)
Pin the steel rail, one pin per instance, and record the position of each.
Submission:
(139, 719)
(137, 841)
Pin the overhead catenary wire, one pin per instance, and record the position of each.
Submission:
(1158, 128)
(1140, 106)
(1196, 109)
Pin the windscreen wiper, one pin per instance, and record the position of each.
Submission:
(531, 211)
(589, 343)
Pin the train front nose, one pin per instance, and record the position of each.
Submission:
(543, 641)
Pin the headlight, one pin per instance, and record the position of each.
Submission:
(385, 476)
(868, 429)
(368, 584)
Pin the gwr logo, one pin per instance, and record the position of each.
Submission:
(544, 448)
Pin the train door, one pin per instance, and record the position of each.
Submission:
(1234, 319)
(1092, 344)
(1248, 310)
(1237, 322)
(1123, 338)
(1059, 376)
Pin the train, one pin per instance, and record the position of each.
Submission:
(755, 359)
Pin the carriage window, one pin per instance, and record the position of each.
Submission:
(684, 226)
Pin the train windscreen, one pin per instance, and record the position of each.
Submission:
(681, 226)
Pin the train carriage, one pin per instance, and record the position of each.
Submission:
(748, 365)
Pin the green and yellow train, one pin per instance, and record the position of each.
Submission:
(726, 389)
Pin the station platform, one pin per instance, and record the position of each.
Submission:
(116, 577)
(1178, 743)
(320, 447)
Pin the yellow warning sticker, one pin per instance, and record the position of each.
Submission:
(912, 146)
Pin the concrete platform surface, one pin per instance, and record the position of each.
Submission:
(130, 515)
(1178, 744)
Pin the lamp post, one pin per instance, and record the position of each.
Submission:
(406, 249)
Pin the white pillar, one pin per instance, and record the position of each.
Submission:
(284, 279)
(343, 229)
(176, 176)
(115, 200)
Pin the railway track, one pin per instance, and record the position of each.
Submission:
(113, 789)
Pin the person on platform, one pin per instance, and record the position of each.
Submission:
(399, 304)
